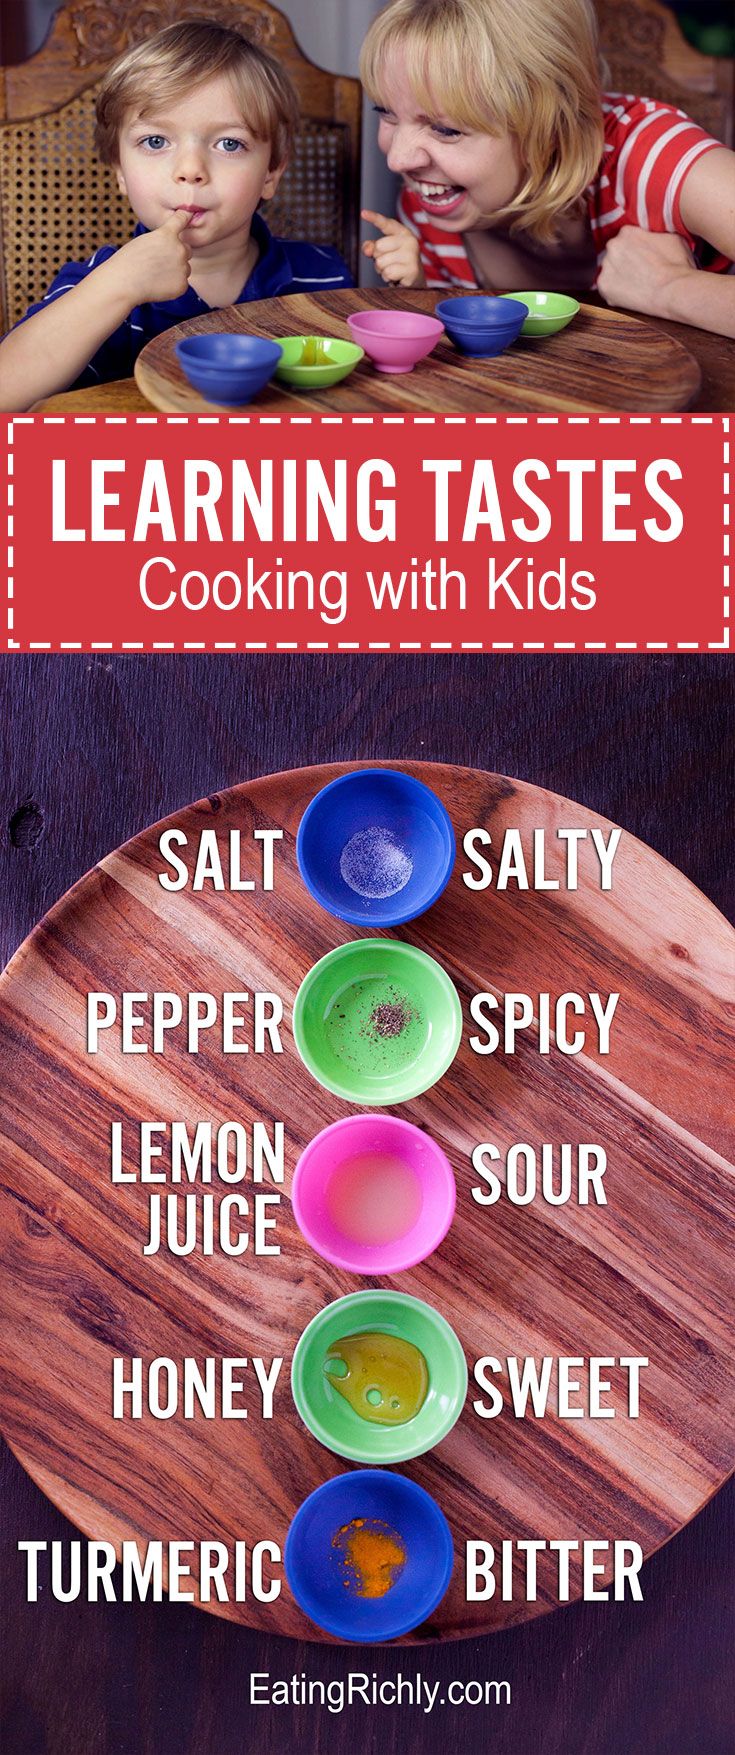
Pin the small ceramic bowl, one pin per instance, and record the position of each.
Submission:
(375, 847)
(228, 368)
(377, 1021)
(547, 312)
(315, 362)
(334, 1421)
(480, 326)
(331, 1591)
(395, 340)
(373, 1194)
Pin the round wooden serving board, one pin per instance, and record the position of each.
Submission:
(604, 361)
(648, 1274)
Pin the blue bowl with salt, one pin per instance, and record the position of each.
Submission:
(333, 1578)
(375, 847)
(479, 324)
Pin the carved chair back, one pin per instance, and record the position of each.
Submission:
(647, 54)
(57, 203)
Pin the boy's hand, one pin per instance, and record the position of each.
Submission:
(396, 253)
(156, 265)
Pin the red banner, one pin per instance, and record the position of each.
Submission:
(368, 534)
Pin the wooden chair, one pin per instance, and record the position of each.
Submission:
(57, 202)
(647, 54)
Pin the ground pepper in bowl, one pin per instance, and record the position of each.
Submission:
(390, 1018)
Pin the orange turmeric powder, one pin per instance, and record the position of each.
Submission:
(373, 1556)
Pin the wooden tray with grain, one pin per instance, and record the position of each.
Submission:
(604, 362)
(648, 1274)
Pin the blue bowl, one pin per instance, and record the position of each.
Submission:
(228, 368)
(481, 310)
(479, 325)
(483, 343)
(324, 1585)
(375, 847)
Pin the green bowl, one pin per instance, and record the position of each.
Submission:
(335, 1422)
(547, 312)
(377, 1021)
(336, 360)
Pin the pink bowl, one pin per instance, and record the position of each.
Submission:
(373, 1194)
(395, 340)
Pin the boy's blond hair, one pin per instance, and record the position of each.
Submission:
(169, 64)
(529, 69)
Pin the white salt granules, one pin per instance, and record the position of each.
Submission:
(374, 865)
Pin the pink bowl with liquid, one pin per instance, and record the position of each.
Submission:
(395, 340)
(373, 1194)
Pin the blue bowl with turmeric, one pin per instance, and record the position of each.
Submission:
(369, 1556)
(228, 368)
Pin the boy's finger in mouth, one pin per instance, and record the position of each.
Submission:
(195, 213)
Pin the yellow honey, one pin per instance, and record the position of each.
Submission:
(313, 352)
(384, 1378)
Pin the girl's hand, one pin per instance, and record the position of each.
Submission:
(156, 265)
(639, 269)
(396, 253)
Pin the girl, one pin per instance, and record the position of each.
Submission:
(519, 172)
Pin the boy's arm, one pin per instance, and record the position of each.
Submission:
(49, 351)
(654, 271)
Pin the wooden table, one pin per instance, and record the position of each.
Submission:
(541, 376)
(651, 1678)
(646, 1274)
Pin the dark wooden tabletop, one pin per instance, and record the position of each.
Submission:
(93, 748)
(634, 360)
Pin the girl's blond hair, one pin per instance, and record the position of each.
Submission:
(167, 65)
(529, 68)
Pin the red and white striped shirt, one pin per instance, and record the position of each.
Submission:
(649, 150)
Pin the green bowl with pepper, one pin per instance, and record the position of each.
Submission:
(547, 312)
(377, 1021)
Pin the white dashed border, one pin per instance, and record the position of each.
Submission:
(389, 420)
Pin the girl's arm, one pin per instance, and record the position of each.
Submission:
(654, 272)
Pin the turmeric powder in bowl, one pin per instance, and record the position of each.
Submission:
(350, 1570)
(372, 1555)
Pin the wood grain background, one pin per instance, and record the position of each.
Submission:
(648, 1274)
(92, 749)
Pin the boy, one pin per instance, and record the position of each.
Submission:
(197, 122)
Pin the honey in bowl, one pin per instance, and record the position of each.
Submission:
(385, 1379)
(313, 352)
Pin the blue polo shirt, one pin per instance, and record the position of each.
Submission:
(282, 267)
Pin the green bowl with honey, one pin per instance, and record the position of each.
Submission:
(315, 362)
(379, 1377)
(377, 1021)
